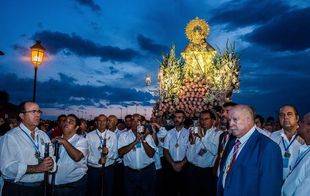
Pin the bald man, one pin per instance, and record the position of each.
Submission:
(252, 163)
(298, 180)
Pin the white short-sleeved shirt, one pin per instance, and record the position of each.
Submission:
(279, 137)
(17, 152)
(136, 158)
(68, 170)
(119, 132)
(297, 182)
(177, 142)
(94, 144)
(209, 144)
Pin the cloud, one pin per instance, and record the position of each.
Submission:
(57, 41)
(149, 45)
(267, 92)
(66, 92)
(236, 14)
(21, 49)
(288, 32)
(270, 79)
(89, 3)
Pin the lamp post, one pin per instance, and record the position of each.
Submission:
(121, 112)
(37, 55)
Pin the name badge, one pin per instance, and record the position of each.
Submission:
(138, 145)
(202, 151)
(287, 154)
(285, 162)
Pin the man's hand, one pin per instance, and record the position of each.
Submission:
(105, 150)
(46, 165)
(60, 140)
(177, 166)
(155, 125)
(192, 138)
(102, 160)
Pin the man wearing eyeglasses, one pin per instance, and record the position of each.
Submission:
(22, 161)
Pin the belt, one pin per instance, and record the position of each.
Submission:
(202, 168)
(28, 184)
(142, 169)
(89, 166)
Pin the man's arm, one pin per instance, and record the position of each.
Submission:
(124, 150)
(74, 153)
(168, 157)
(148, 145)
(271, 170)
(46, 165)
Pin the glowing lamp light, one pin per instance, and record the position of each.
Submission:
(37, 54)
(148, 80)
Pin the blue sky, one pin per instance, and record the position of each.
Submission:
(99, 51)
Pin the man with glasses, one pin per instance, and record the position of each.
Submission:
(22, 161)
(201, 154)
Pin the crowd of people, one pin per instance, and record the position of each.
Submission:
(225, 151)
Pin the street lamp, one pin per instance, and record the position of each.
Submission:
(148, 80)
(37, 55)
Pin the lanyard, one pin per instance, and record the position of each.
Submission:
(300, 158)
(289, 145)
(101, 139)
(178, 137)
(35, 144)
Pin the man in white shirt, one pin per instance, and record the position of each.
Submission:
(70, 178)
(22, 149)
(259, 122)
(137, 150)
(102, 144)
(201, 155)
(175, 147)
(298, 181)
(128, 121)
(287, 137)
(118, 184)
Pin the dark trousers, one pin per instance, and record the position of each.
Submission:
(201, 181)
(17, 189)
(77, 188)
(118, 187)
(98, 177)
(140, 182)
(176, 183)
(159, 184)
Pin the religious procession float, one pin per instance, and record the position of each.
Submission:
(200, 78)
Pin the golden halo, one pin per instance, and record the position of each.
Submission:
(197, 30)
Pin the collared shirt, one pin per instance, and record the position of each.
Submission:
(18, 151)
(94, 145)
(177, 142)
(243, 140)
(136, 158)
(119, 132)
(279, 137)
(68, 170)
(263, 131)
(204, 151)
(161, 134)
(298, 181)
